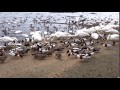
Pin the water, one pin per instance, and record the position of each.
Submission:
(56, 17)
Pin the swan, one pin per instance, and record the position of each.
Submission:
(36, 37)
(90, 30)
(59, 34)
(7, 39)
(16, 44)
(97, 28)
(81, 34)
(14, 38)
(18, 32)
(45, 32)
(113, 37)
(35, 32)
(94, 35)
(112, 31)
(25, 35)
(106, 28)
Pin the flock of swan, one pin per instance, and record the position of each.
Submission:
(109, 31)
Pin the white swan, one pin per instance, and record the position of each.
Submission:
(18, 32)
(106, 28)
(113, 37)
(94, 35)
(112, 31)
(91, 30)
(25, 35)
(81, 34)
(36, 37)
(7, 39)
(60, 34)
(14, 38)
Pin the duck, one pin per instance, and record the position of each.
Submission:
(84, 57)
(25, 35)
(107, 45)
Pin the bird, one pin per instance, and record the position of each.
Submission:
(107, 46)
